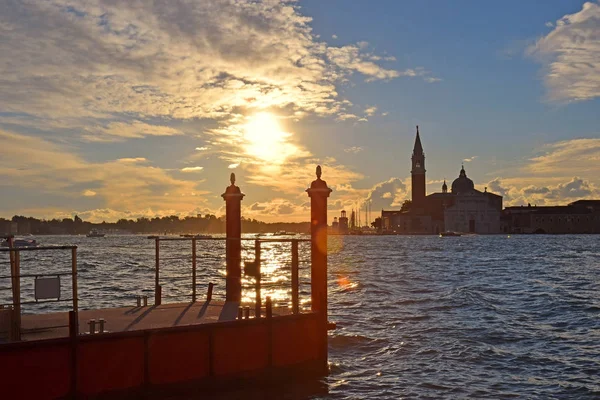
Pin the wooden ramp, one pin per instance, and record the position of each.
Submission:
(122, 319)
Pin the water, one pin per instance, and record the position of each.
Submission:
(418, 317)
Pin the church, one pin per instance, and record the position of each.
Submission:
(463, 209)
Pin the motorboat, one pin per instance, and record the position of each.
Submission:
(450, 233)
(95, 233)
(198, 236)
(20, 243)
(284, 233)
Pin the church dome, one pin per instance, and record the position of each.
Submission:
(462, 184)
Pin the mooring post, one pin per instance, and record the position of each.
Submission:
(193, 270)
(233, 247)
(318, 193)
(209, 293)
(157, 288)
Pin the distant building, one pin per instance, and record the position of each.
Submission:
(582, 216)
(343, 222)
(340, 225)
(464, 209)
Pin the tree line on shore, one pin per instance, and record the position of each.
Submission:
(161, 225)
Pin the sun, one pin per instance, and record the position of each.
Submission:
(265, 139)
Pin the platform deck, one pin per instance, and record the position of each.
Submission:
(121, 319)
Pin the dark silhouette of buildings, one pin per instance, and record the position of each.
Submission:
(582, 216)
(464, 209)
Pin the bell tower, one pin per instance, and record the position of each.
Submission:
(418, 174)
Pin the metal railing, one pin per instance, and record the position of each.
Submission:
(14, 330)
(251, 268)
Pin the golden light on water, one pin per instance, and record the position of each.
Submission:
(346, 284)
(266, 140)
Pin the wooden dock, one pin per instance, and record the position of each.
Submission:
(126, 319)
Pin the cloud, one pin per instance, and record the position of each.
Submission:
(568, 158)
(370, 111)
(472, 158)
(132, 160)
(98, 61)
(570, 55)
(192, 169)
(88, 193)
(516, 193)
(277, 209)
(232, 166)
(203, 148)
(354, 149)
(334, 36)
(129, 130)
(31, 162)
(388, 194)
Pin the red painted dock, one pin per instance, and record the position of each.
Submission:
(171, 347)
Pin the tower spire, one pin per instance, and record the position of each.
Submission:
(418, 173)
(418, 149)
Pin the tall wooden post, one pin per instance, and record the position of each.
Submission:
(318, 193)
(233, 216)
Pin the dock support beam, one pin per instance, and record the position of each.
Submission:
(233, 217)
(318, 193)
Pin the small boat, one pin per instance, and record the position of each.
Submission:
(450, 233)
(95, 233)
(20, 243)
(198, 236)
(284, 233)
(152, 237)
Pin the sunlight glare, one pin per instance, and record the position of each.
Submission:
(266, 140)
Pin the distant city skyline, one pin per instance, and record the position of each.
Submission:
(140, 110)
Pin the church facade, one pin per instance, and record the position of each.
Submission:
(463, 209)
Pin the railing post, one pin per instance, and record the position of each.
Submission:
(193, 270)
(295, 280)
(258, 302)
(74, 279)
(318, 193)
(157, 289)
(233, 216)
(16, 284)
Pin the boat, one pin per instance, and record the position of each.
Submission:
(95, 233)
(20, 243)
(450, 233)
(284, 233)
(198, 236)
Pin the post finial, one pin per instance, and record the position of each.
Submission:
(232, 178)
(319, 172)
(417, 129)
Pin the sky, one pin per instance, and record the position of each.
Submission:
(133, 109)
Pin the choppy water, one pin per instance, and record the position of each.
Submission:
(418, 317)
